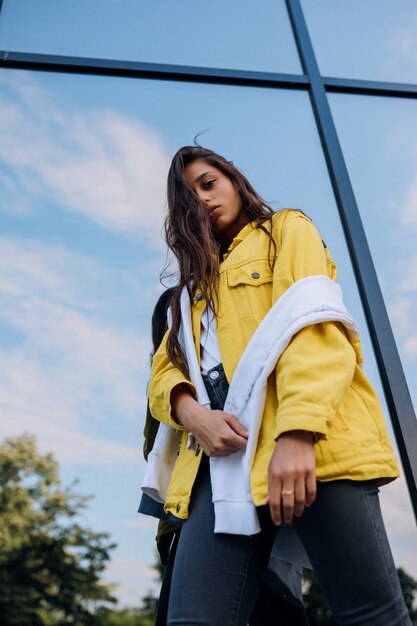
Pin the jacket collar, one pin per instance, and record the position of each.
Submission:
(242, 234)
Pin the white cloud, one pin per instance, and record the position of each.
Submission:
(32, 270)
(97, 163)
(134, 580)
(409, 213)
(407, 275)
(401, 43)
(67, 443)
(140, 522)
(410, 347)
(68, 370)
(400, 313)
(130, 567)
(402, 306)
(405, 40)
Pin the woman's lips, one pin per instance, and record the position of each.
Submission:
(213, 212)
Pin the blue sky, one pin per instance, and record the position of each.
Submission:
(183, 32)
(83, 164)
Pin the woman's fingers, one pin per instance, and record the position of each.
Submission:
(231, 435)
(292, 479)
(288, 499)
(228, 443)
(299, 497)
(236, 425)
(302, 494)
(236, 441)
(311, 488)
(293, 499)
(274, 497)
(219, 433)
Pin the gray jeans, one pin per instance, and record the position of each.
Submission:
(216, 578)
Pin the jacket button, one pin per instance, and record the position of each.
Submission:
(199, 296)
(255, 275)
(214, 374)
(178, 509)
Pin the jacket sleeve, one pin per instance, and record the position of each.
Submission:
(318, 365)
(164, 377)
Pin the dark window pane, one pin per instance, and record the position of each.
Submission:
(239, 35)
(374, 40)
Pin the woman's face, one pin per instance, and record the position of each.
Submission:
(220, 197)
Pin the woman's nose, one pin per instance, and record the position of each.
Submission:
(205, 198)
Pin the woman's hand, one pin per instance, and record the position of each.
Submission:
(216, 432)
(292, 476)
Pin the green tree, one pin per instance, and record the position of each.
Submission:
(50, 565)
(316, 606)
(319, 613)
(143, 616)
(409, 589)
(124, 617)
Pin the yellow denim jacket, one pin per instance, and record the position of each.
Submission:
(318, 384)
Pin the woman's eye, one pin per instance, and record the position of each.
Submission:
(207, 184)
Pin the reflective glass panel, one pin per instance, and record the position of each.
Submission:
(374, 40)
(238, 35)
(379, 140)
(83, 165)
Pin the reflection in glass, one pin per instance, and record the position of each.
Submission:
(381, 158)
(238, 35)
(83, 164)
(379, 140)
(374, 40)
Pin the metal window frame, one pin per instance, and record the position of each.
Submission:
(392, 375)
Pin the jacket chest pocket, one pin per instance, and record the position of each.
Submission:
(253, 273)
(250, 287)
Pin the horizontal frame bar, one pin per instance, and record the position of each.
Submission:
(370, 87)
(160, 71)
(187, 73)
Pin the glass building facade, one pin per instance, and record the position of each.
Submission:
(315, 101)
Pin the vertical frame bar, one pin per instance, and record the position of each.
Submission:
(392, 375)
(393, 380)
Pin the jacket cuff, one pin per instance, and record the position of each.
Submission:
(298, 419)
(160, 405)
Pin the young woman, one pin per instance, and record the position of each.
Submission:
(301, 439)
(280, 596)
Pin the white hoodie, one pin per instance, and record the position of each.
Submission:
(311, 300)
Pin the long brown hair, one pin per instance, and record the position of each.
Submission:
(189, 234)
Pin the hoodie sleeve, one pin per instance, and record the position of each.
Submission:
(164, 377)
(318, 365)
